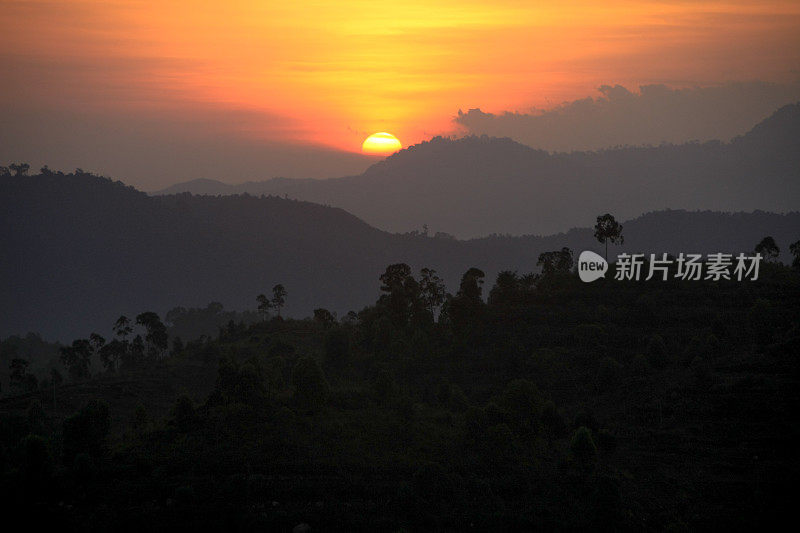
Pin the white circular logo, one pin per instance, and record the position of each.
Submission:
(591, 266)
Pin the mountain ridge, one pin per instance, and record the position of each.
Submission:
(476, 186)
(81, 250)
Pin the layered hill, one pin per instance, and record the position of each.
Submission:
(477, 186)
(78, 251)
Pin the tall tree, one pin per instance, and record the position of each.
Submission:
(401, 293)
(77, 358)
(278, 298)
(768, 249)
(471, 284)
(432, 289)
(156, 334)
(122, 328)
(263, 305)
(466, 309)
(506, 289)
(97, 341)
(608, 230)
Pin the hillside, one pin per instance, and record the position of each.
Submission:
(476, 186)
(79, 250)
(539, 404)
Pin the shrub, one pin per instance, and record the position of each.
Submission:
(585, 417)
(141, 418)
(383, 386)
(36, 417)
(582, 447)
(310, 385)
(458, 401)
(553, 420)
(701, 370)
(609, 374)
(37, 461)
(87, 430)
(607, 441)
(657, 351)
(521, 402)
(337, 346)
(591, 337)
(639, 365)
(183, 414)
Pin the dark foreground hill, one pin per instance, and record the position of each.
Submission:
(543, 404)
(480, 185)
(78, 251)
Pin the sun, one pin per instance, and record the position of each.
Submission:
(381, 144)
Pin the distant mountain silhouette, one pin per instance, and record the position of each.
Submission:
(77, 250)
(481, 185)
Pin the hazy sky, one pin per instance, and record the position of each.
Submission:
(158, 92)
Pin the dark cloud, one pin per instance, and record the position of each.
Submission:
(653, 115)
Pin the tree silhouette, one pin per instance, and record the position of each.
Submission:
(337, 346)
(768, 249)
(310, 385)
(395, 277)
(77, 358)
(87, 430)
(278, 298)
(324, 317)
(466, 309)
(431, 288)
(582, 447)
(402, 294)
(471, 284)
(183, 413)
(608, 230)
(156, 334)
(19, 377)
(122, 327)
(556, 261)
(17, 369)
(55, 381)
(111, 353)
(794, 248)
(263, 305)
(506, 290)
(134, 355)
(20, 169)
(177, 346)
(97, 341)
(37, 463)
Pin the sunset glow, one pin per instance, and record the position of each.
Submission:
(330, 73)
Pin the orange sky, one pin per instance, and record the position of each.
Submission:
(331, 73)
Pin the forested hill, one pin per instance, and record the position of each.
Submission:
(480, 185)
(79, 250)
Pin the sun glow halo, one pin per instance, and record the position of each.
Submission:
(381, 144)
